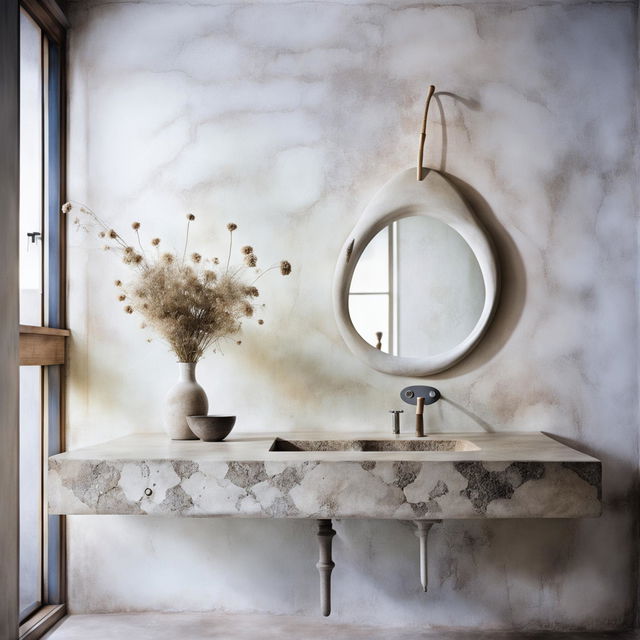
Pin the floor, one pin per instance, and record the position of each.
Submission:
(212, 626)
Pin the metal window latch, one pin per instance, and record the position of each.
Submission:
(34, 236)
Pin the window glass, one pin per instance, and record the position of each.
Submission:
(31, 282)
(31, 173)
(30, 489)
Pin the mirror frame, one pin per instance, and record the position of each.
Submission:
(402, 197)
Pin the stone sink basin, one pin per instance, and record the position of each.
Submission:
(422, 444)
(324, 475)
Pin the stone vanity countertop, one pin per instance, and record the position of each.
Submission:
(499, 475)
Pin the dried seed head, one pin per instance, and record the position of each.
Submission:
(216, 261)
(167, 258)
(196, 257)
(285, 267)
(238, 341)
(155, 242)
(128, 309)
(122, 297)
(135, 226)
(118, 283)
(128, 250)
(252, 291)
(251, 260)
(102, 234)
(246, 250)
(248, 310)
(131, 257)
(261, 321)
(190, 217)
(112, 233)
(209, 276)
(66, 207)
(232, 226)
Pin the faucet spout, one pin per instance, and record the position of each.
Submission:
(420, 417)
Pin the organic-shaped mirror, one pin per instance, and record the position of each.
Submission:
(416, 282)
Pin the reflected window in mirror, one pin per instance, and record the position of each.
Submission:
(370, 294)
(419, 284)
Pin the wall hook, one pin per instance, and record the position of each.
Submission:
(423, 132)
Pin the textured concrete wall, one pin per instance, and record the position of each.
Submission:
(285, 117)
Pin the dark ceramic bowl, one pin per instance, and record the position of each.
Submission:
(211, 428)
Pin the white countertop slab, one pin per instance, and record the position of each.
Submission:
(493, 447)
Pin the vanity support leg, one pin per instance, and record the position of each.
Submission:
(422, 532)
(325, 564)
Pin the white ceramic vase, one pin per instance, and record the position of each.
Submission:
(185, 398)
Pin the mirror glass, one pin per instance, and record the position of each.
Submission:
(417, 289)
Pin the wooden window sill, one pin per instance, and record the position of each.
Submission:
(42, 345)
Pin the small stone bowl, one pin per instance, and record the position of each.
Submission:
(211, 428)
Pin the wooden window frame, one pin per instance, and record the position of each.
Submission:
(46, 345)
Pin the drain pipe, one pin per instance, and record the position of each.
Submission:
(325, 564)
(422, 533)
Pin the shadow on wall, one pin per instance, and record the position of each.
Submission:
(510, 263)
(470, 103)
(528, 560)
(513, 284)
(385, 554)
(483, 424)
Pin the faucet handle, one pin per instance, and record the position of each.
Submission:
(395, 420)
(411, 394)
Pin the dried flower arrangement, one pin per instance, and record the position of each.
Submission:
(193, 304)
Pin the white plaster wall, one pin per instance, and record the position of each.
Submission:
(285, 117)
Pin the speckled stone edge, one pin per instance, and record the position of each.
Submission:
(369, 489)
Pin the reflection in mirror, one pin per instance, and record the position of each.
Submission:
(417, 289)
